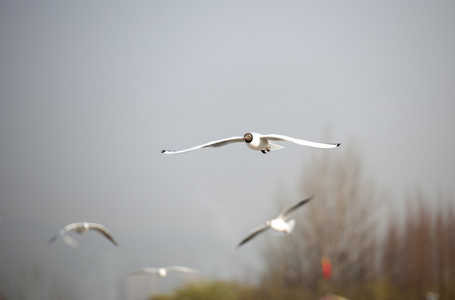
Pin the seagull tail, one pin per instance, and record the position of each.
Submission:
(273, 147)
(291, 225)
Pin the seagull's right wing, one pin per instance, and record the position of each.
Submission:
(143, 271)
(294, 207)
(254, 233)
(56, 236)
(218, 143)
(62, 232)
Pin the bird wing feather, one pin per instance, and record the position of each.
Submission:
(143, 271)
(181, 269)
(293, 207)
(278, 137)
(217, 143)
(101, 229)
(252, 234)
(62, 231)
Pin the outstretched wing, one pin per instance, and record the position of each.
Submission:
(254, 233)
(70, 241)
(143, 271)
(277, 137)
(218, 143)
(101, 229)
(62, 232)
(56, 236)
(293, 207)
(181, 269)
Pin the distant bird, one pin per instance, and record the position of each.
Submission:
(162, 272)
(256, 141)
(80, 228)
(280, 224)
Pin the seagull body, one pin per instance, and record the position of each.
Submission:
(80, 228)
(163, 272)
(256, 141)
(281, 224)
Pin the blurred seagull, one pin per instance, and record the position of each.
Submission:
(256, 141)
(162, 272)
(280, 224)
(80, 228)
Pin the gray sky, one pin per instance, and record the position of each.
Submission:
(90, 92)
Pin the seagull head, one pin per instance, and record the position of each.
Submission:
(248, 137)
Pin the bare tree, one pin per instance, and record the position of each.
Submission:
(341, 223)
(418, 256)
(391, 252)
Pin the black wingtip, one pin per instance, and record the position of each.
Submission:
(51, 240)
(338, 145)
(306, 200)
(162, 151)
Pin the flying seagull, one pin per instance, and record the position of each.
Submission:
(80, 228)
(162, 272)
(258, 142)
(280, 224)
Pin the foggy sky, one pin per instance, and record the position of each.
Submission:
(91, 92)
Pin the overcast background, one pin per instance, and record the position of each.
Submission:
(91, 91)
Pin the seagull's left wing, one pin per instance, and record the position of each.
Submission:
(70, 241)
(293, 207)
(72, 227)
(277, 137)
(63, 231)
(143, 271)
(181, 269)
(217, 143)
(254, 233)
(101, 229)
(55, 236)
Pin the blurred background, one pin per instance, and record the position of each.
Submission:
(91, 92)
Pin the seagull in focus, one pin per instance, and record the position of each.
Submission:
(281, 223)
(258, 142)
(80, 228)
(162, 272)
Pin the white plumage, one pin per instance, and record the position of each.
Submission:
(163, 272)
(80, 228)
(258, 142)
(281, 223)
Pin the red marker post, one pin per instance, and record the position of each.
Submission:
(326, 267)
